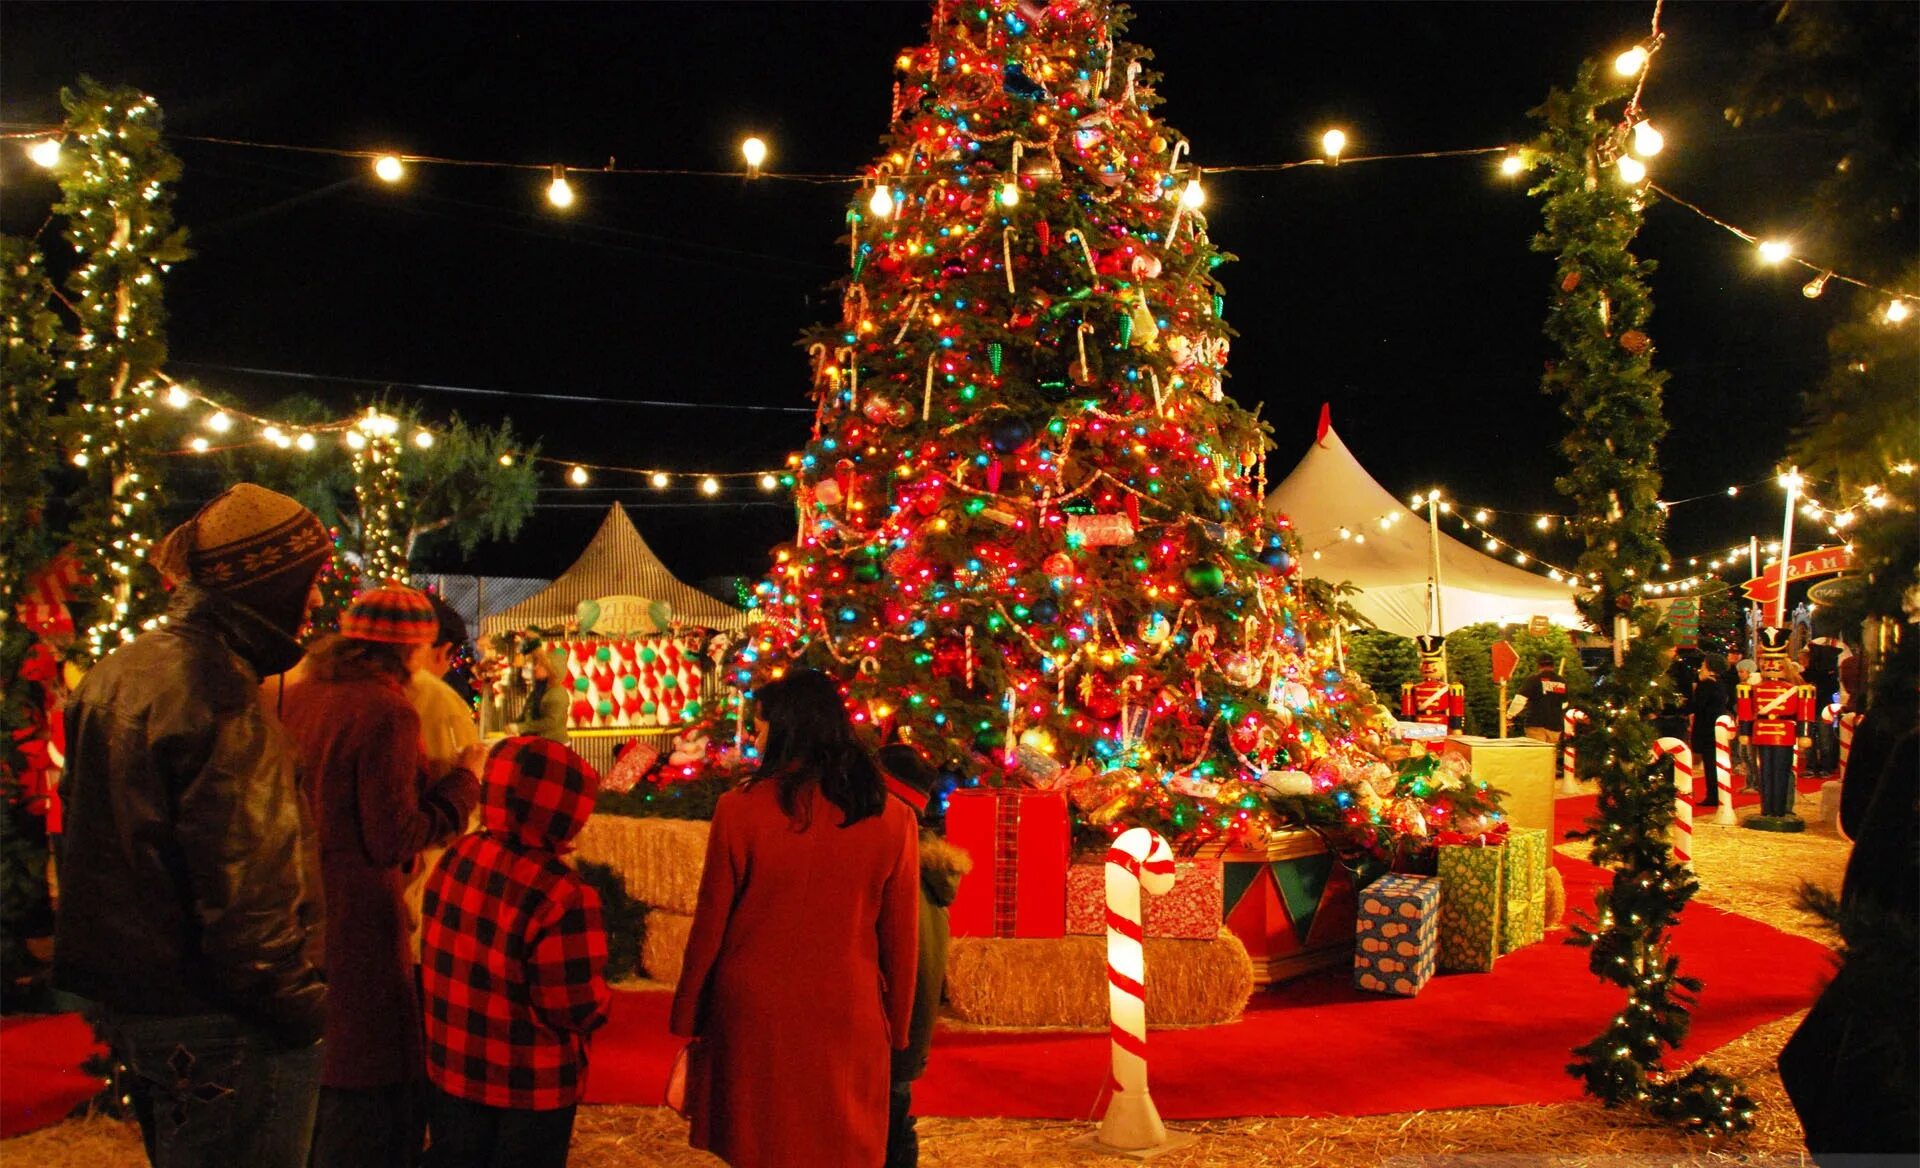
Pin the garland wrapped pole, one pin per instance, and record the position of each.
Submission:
(1610, 394)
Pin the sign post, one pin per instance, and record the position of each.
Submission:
(1504, 660)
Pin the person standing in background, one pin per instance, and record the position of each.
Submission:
(188, 910)
(1705, 706)
(446, 728)
(545, 714)
(1544, 698)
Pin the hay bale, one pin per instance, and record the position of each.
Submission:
(659, 860)
(665, 946)
(1061, 982)
(1556, 897)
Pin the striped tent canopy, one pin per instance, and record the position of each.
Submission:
(617, 562)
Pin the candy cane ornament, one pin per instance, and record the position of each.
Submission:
(1848, 721)
(1569, 726)
(1138, 859)
(1682, 833)
(1723, 730)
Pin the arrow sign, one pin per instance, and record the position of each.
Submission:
(1504, 660)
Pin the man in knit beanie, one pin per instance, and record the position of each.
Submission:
(188, 913)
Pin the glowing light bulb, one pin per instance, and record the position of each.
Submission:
(1512, 164)
(506, 460)
(198, 445)
(1647, 141)
(1544, 522)
(219, 422)
(388, 168)
(1192, 197)
(659, 480)
(178, 398)
(1773, 251)
(356, 440)
(1333, 142)
(1480, 516)
(882, 202)
(304, 442)
(578, 476)
(1791, 480)
(1896, 311)
(559, 192)
(1812, 288)
(709, 486)
(1632, 170)
(755, 152)
(423, 439)
(1009, 194)
(1631, 61)
(45, 153)
(768, 482)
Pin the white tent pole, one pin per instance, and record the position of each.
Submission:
(1435, 618)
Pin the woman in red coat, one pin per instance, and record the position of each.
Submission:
(799, 972)
(365, 775)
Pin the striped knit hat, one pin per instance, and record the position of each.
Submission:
(393, 614)
(253, 545)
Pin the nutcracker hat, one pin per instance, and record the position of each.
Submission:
(1774, 642)
(393, 614)
(1431, 648)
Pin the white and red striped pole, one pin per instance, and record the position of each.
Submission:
(1138, 859)
(1848, 722)
(1569, 725)
(1724, 728)
(1682, 756)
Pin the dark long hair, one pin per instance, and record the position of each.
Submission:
(810, 740)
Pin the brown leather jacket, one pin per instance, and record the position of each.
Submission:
(186, 871)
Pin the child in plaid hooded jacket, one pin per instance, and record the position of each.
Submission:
(513, 962)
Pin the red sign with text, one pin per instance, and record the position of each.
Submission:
(1765, 588)
(1504, 660)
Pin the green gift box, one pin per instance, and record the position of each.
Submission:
(1524, 919)
(1472, 897)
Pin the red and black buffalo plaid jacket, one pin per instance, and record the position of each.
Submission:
(513, 955)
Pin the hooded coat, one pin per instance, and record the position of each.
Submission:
(941, 867)
(514, 954)
(358, 740)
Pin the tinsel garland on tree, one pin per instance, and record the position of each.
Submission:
(119, 219)
(1610, 394)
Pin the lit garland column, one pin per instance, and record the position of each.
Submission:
(119, 214)
(1592, 202)
(378, 499)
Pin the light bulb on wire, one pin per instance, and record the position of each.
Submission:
(1631, 62)
(709, 486)
(1812, 288)
(1192, 197)
(578, 475)
(755, 152)
(1632, 170)
(882, 202)
(1647, 141)
(659, 480)
(45, 153)
(388, 168)
(1896, 311)
(559, 191)
(768, 482)
(1774, 251)
(1332, 143)
(1009, 194)
(1512, 164)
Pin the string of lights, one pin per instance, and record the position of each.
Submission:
(43, 146)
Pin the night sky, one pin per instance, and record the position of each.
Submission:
(1402, 292)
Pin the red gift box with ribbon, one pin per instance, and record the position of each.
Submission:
(1019, 843)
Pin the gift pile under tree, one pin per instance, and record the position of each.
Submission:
(1030, 528)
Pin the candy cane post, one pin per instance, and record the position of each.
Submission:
(1138, 859)
(1848, 721)
(1723, 731)
(1569, 725)
(1682, 756)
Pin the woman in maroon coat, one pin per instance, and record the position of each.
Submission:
(799, 973)
(365, 775)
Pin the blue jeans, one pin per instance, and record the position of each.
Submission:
(211, 1090)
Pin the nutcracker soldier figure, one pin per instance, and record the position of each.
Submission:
(1431, 699)
(1775, 714)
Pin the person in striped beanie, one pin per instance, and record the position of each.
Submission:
(379, 804)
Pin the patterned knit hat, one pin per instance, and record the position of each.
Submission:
(393, 614)
(253, 545)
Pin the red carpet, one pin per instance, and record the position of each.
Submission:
(42, 1080)
(1318, 1046)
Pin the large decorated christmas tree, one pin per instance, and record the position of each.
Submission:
(1030, 537)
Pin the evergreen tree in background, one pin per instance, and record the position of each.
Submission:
(1030, 528)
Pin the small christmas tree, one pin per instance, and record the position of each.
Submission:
(1030, 528)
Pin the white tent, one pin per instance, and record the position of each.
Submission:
(1330, 491)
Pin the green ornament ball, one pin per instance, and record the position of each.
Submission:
(603, 654)
(669, 682)
(630, 681)
(691, 710)
(605, 707)
(648, 656)
(649, 707)
(1206, 578)
(581, 684)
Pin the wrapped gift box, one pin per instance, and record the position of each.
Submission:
(1523, 919)
(1521, 767)
(1396, 934)
(1190, 910)
(1472, 897)
(1018, 841)
(1291, 905)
